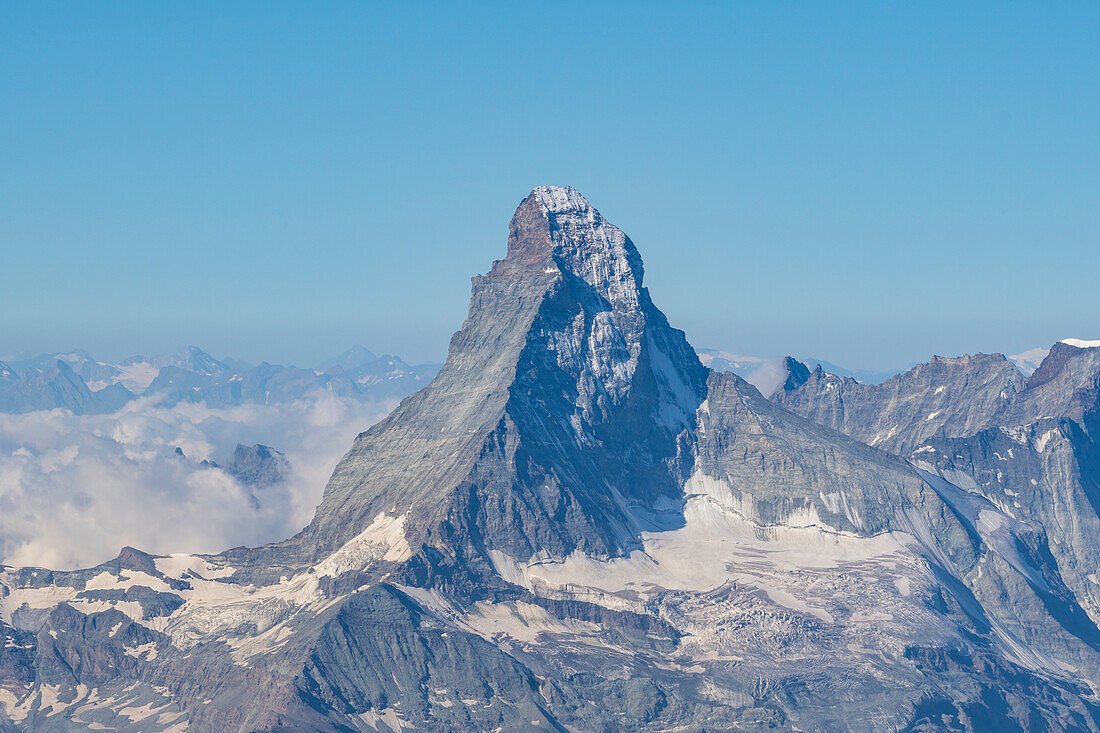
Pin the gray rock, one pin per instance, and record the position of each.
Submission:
(946, 396)
(257, 465)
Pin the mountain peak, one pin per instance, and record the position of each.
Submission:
(575, 490)
(195, 359)
(797, 373)
(562, 200)
(564, 394)
(556, 229)
(1072, 361)
(356, 356)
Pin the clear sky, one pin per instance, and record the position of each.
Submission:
(867, 183)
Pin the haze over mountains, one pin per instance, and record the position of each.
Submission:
(75, 381)
(185, 450)
(767, 373)
(576, 525)
(763, 371)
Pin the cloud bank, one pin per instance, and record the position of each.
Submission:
(75, 489)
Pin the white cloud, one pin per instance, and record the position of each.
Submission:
(75, 489)
(768, 376)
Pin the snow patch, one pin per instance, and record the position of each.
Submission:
(383, 540)
(519, 621)
(717, 546)
(386, 719)
(137, 377)
(45, 597)
(1042, 440)
(146, 651)
(181, 564)
(1082, 344)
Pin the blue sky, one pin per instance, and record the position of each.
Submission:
(868, 183)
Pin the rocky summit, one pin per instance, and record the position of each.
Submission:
(576, 526)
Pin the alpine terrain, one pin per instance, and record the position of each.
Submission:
(576, 526)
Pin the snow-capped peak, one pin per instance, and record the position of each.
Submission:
(1081, 344)
(1028, 361)
(559, 199)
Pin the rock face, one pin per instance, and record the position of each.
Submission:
(559, 408)
(577, 526)
(947, 396)
(257, 465)
(1027, 447)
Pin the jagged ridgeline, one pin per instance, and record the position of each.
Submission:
(577, 526)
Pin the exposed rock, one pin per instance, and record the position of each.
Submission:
(257, 465)
(944, 397)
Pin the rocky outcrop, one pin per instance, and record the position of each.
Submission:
(946, 396)
(257, 465)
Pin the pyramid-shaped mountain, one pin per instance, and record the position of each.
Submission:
(559, 415)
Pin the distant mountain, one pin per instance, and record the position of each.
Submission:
(354, 357)
(866, 376)
(197, 361)
(379, 377)
(45, 385)
(577, 526)
(257, 465)
(724, 361)
(1028, 361)
(78, 360)
(75, 381)
(746, 366)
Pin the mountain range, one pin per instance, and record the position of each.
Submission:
(751, 367)
(577, 526)
(766, 373)
(77, 382)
